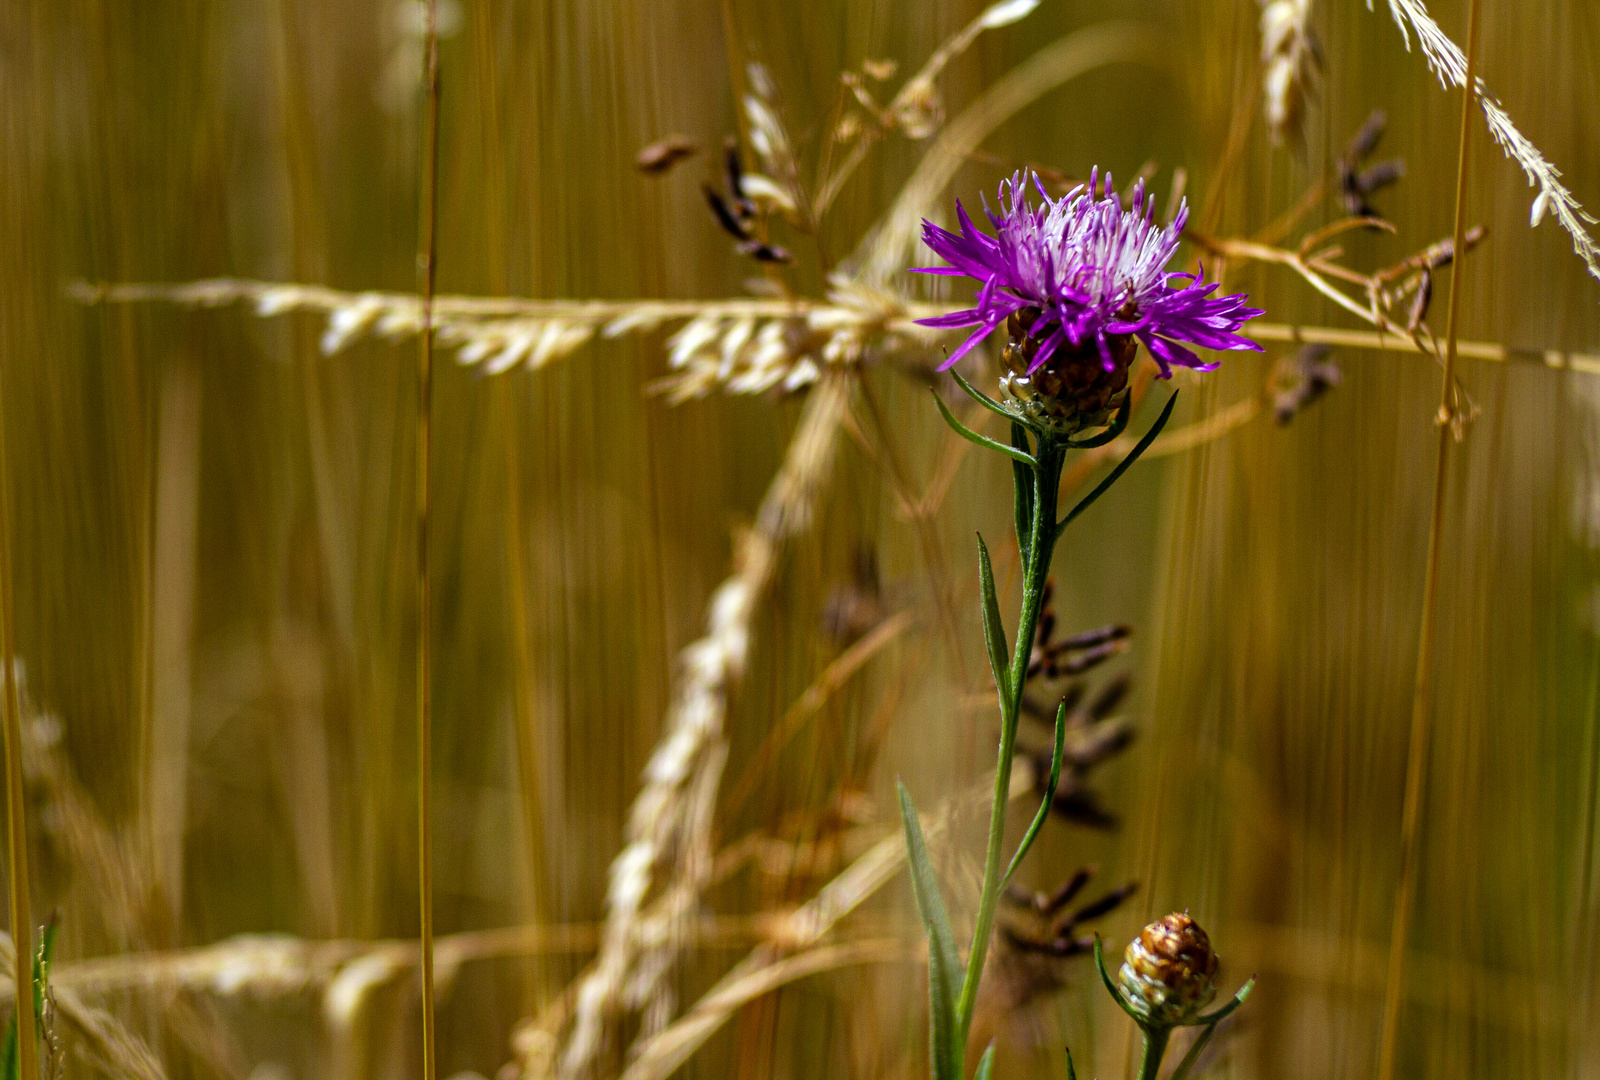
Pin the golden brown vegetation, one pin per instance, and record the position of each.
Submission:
(682, 641)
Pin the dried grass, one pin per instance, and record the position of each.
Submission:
(1449, 63)
(669, 828)
(774, 345)
(1291, 61)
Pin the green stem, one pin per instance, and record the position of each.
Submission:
(1155, 1047)
(1039, 547)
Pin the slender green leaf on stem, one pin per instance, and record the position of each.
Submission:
(41, 964)
(1111, 986)
(1222, 1014)
(1127, 462)
(1072, 1074)
(985, 1064)
(1023, 502)
(1210, 1022)
(1118, 425)
(980, 440)
(10, 1063)
(994, 631)
(981, 398)
(1193, 1054)
(1049, 796)
(944, 965)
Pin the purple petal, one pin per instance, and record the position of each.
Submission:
(968, 345)
(1168, 353)
(955, 318)
(1047, 349)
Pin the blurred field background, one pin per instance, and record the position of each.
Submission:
(215, 603)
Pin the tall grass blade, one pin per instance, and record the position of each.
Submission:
(945, 972)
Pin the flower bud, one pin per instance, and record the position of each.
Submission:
(1169, 972)
(1072, 390)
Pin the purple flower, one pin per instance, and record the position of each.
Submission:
(1092, 271)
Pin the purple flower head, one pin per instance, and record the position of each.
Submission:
(1096, 275)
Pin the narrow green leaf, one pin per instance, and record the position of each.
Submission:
(1072, 1074)
(1049, 796)
(1209, 1022)
(1111, 986)
(981, 398)
(994, 631)
(1119, 424)
(1193, 1054)
(41, 965)
(945, 973)
(985, 1064)
(1127, 462)
(1219, 1015)
(980, 440)
(1022, 502)
(10, 1065)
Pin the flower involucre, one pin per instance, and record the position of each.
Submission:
(1169, 971)
(1079, 280)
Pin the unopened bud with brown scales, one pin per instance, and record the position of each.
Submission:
(1169, 972)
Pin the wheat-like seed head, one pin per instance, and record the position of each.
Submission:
(1449, 63)
(1291, 61)
(736, 346)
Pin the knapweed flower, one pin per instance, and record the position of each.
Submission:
(1169, 972)
(1079, 282)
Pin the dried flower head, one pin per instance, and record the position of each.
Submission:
(1079, 281)
(1169, 972)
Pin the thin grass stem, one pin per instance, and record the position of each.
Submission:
(16, 806)
(1417, 753)
(427, 252)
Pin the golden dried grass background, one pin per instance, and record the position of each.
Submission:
(212, 529)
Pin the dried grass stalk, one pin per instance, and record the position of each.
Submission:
(669, 829)
(1449, 63)
(892, 243)
(1291, 60)
(737, 346)
(796, 952)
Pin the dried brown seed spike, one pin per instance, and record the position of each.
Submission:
(729, 221)
(1365, 141)
(661, 156)
(1377, 177)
